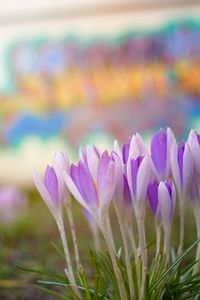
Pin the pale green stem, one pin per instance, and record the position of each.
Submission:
(166, 249)
(158, 238)
(127, 257)
(129, 230)
(143, 251)
(182, 225)
(69, 269)
(197, 219)
(73, 233)
(96, 239)
(107, 234)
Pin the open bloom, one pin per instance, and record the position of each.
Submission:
(160, 152)
(93, 193)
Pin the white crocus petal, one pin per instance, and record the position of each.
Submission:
(195, 149)
(117, 150)
(118, 193)
(108, 186)
(175, 167)
(170, 141)
(92, 161)
(75, 192)
(44, 193)
(187, 167)
(137, 146)
(129, 177)
(142, 182)
(60, 164)
(165, 207)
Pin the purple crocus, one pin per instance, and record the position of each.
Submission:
(138, 176)
(52, 189)
(166, 202)
(122, 196)
(194, 144)
(133, 148)
(49, 190)
(160, 152)
(93, 193)
(90, 156)
(182, 167)
(152, 193)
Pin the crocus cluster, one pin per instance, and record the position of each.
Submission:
(130, 178)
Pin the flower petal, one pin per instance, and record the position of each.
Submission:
(43, 192)
(159, 152)
(143, 178)
(51, 183)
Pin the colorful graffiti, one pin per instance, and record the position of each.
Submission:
(71, 85)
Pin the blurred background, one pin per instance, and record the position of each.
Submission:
(78, 72)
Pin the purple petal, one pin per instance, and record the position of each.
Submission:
(86, 185)
(181, 149)
(75, 177)
(135, 163)
(153, 196)
(127, 194)
(51, 184)
(102, 168)
(125, 151)
(159, 151)
(170, 187)
(198, 138)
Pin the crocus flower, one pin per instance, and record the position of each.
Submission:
(194, 144)
(152, 193)
(166, 200)
(90, 156)
(133, 148)
(93, 193)
(53, 190)
(122, 196)
(182, 167)
(160, 152)
(138, 176)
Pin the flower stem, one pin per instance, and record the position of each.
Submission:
(107, 234)
(166, 249)
(182, 226)
(143, 251)
(69, 269)
(197, 219)
(127, 257)
(73, 233)
(158, 238)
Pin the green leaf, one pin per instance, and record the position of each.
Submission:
(51, 292)
(58, 250)
(177, 261)
(42, 272)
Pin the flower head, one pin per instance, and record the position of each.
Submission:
(138, 176)
(160, 152)
(182, 167)
(166, 202)
(52, 189)
(93, 191)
